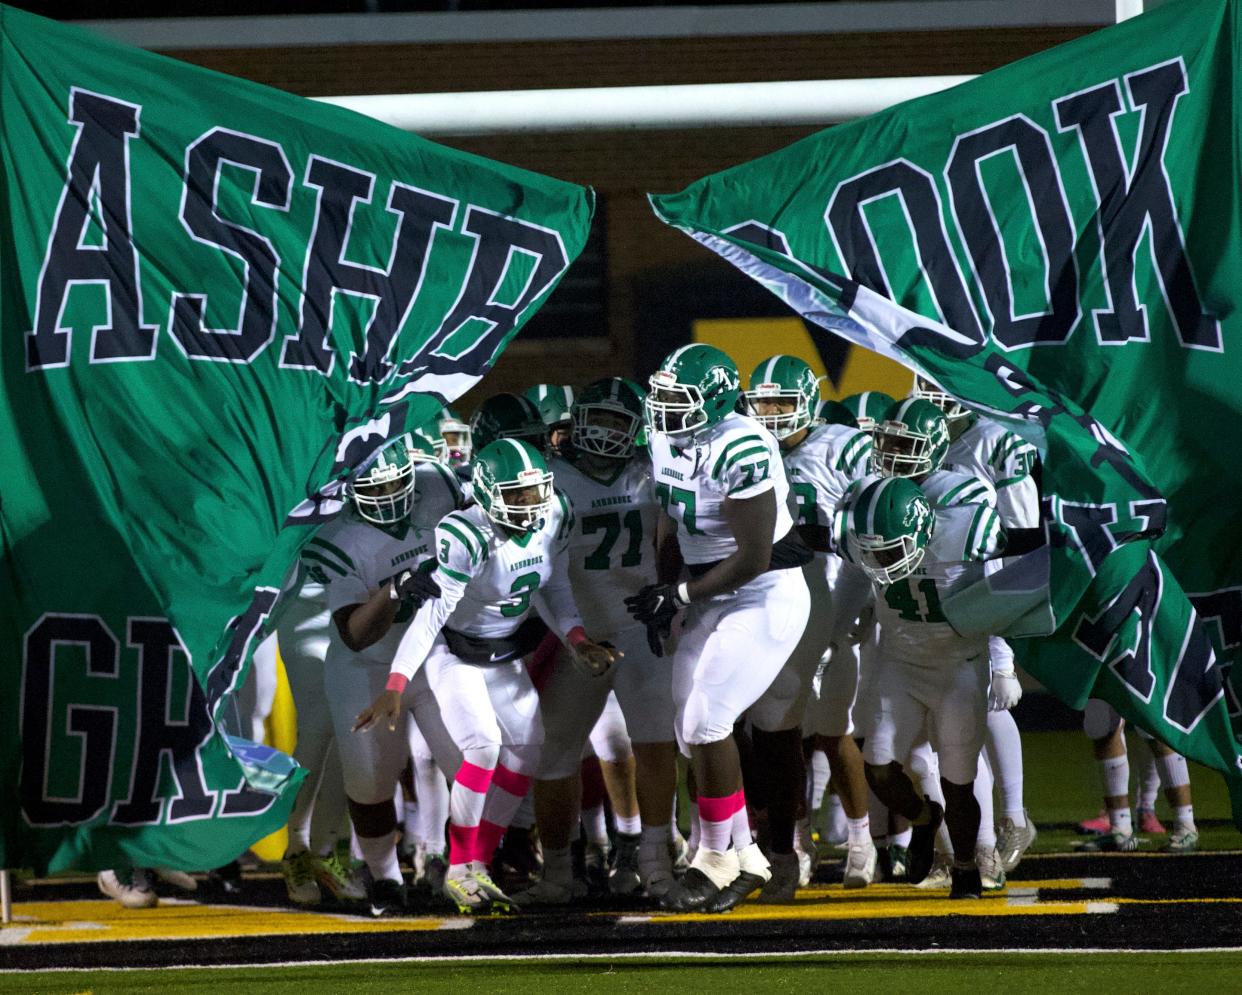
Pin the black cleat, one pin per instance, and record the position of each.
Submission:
(922, 852)
(388, 898)
(691, 893)
(966, 883)
(735, 892)
(883, 864)
(228, 879)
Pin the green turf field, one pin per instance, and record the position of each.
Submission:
(1017, 973)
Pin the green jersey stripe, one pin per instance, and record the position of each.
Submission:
(736, 458)
(724, 455)
(473, 529)
(977, 535)
(460, 577)
(460, 536)
(1009, 481)
(335, 550)
(855, 450)
(310, 554)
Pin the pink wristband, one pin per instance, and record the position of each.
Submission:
(576, 635)
(396, 682)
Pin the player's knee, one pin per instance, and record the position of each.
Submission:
(1100, 720)
(880, 776)
(481, 753)
(959, 769)
(372, 819)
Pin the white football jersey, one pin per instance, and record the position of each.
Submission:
(989, 450)
(355, 557)
(490, 581)
(735, 458)
(913, 627)
(612, 543)
(822, 466)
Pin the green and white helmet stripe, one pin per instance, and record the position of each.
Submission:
(785, 379)
(553, 401)
(911, 440)
(694, 388)
(890, 524)
(512, 484)
(868, 407)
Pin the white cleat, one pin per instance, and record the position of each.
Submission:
(178, 879)
(991, 872)
(135, 895)
(783, 883)
(941, 874)
(464, 891)
(860, 865)
(1013, 841)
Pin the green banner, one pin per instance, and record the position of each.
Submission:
(1058, 244)
(217, 300)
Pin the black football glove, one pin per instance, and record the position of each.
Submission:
(654, 606)
(414, 587)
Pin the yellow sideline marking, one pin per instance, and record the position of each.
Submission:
(101, 920)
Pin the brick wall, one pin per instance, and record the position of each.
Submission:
(623, 166)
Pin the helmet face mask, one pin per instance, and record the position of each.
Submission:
(383, 491)
(891, 525)
(456, 439)
(512, 484)
(607, 418)
(946, 402)
(782, 397)
(911, 440)
(695, 387)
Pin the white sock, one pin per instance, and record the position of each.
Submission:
(696, 830)
(817, 775)
(837, 819)
(1174, 772)
(741, 834)
(380, 854)
(902, 838)
(1184, 815)
(631, 825)
(1119, 821)
(409, 821)
(1150, 776)
(1004, 748)
(596, 825)
(1115, 772)
(983, 795)
(858, 831)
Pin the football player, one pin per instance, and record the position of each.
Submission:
(555, 404)
(611, 556)
(931, 681)
(720, 480)
(369, 558)
(868, 407)
(821, 461)
(495, 561)
(986, 448)
(456, 438)
(1106, 730)
(508, 416)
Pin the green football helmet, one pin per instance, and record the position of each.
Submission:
(640, 440)
(607, 417)
(553, 401)
(835, 413)
(423, 448)
(455, 437)
(910, 440)
(784, 380)
(868, 407)
(695, 387)
(946, 402)
(383, 490)
(508, 416)
(890, 524)
(511, 482)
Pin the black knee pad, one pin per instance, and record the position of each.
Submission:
(372, 820)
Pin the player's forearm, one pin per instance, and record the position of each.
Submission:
(416, 643)
(669, 561)
(817, 537)
(734, 571)
(369, 622)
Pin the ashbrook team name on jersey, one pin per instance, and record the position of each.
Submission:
(666, 472)
(607, 502)
(410, 554)
(522, 564)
